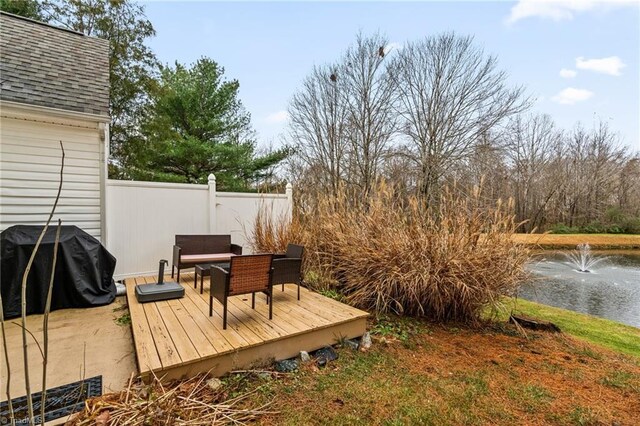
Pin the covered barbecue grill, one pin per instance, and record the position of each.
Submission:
(83, 275)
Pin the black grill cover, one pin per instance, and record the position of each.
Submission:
(83, 277)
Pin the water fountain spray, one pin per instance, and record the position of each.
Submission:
(583, 259)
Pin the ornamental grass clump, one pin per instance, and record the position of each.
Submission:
(393, 254)
(272, 232)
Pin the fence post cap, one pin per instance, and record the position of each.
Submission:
(212, 178)
(289, 187)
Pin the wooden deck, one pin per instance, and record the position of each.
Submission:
(177, 338)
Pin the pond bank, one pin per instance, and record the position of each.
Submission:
(569, 241)
(606, 333)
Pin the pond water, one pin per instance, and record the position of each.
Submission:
(610, 290)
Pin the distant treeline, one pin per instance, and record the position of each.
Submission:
(438, 112)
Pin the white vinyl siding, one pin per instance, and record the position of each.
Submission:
(30, 166)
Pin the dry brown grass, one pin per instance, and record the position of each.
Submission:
(391, 254)
(597, 241)
(271, 233)
(187, 402)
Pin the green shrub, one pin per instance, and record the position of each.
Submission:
(631, 225)
(561, 228)
(615, 229)
(593, 228)
(624, 226)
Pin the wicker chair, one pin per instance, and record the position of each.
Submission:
(247, 274)
(287, 267)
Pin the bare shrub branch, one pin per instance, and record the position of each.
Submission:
(7, 363)
(25, 276)
(45, 324)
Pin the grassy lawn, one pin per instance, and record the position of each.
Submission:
(610, 334)
(602, 241)
(421, 373)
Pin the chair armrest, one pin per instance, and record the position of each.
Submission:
(219, 280)
(218, 274)
(176, 255)
(236, 249)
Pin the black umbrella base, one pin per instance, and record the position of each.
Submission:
(156, 292)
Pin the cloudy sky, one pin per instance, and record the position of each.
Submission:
(579, 58)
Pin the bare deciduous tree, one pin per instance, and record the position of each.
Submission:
(532, 145)
(450, 93)
(604, 166)
(484, 167)
(591, 169)
(629, 186)
(369, 101)
(23, 324)
(318, 119)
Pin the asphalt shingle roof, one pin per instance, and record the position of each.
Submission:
(52, 67)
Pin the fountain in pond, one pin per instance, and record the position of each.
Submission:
(610, 290)
(583, 259)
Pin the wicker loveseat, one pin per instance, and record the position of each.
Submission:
(190, 250)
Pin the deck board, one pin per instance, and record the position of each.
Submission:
(200, 341)
(165, 347)
(178, 338)
(146, 351)
(220, 343)
(236, 339)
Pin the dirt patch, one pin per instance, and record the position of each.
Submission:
(599, 241)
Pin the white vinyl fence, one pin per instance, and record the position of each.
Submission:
(142, 218)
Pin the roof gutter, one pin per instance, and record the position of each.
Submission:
(56, 112)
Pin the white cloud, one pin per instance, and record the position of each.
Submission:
(611, 65)
(559, 10)
(570, 96)
(565, 73)
(277, 117)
